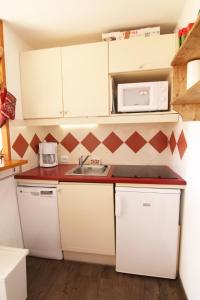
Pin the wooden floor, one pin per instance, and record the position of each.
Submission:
(56, 280)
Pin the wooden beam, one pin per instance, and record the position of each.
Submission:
(188, 112)
(3, 69)
(179, 81)
(191, 96)
(5, 128)
(9, 164)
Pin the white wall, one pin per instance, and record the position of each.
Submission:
(189, 168)
(13, 45)
(10, 231)
(189, 12)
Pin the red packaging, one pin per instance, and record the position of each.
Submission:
(180, 32)
(2, 117)
(7, 106)
(184, 34)
(189, 27)
(179, 36)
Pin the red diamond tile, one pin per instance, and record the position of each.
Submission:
(135, 142)
(112, 142)
(90, 142)
(182, 144)
(35, 143)
(20, 145)
(70, 142)
(172, 142)
(159, 142)
(50, 138)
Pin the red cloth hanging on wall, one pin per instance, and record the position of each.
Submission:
(7, 106)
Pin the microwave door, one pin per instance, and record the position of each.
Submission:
(136, 98)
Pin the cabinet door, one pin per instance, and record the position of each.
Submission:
(41, 84)
(87, 218)
(153, 217)
(85, 79)
(142, 53)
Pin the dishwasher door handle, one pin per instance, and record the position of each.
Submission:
(118, 206)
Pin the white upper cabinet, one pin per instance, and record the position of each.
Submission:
(85, 80)
(140, 53)
(73, 81)
(41, 84)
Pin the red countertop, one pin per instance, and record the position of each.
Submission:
(58, 173)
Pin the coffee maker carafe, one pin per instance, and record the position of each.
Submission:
(48, 154)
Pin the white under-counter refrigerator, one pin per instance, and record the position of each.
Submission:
(147, 231)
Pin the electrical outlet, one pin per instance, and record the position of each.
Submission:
(64, 159)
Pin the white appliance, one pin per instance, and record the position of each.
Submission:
(13, 283)
(142, 96)
(147, 231)
(193, 72)
(39, 220)
(48, 154)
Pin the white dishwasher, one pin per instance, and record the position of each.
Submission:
(38, 210)
(147, 231)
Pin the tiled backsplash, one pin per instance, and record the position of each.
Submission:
(116, 144)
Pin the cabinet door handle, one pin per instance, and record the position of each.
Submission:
(118, 206)
(65, 112)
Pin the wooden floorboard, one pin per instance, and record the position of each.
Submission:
(66, 280)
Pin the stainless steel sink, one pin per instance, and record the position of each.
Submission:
(90, 170)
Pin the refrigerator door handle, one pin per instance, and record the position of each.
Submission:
(118, 205)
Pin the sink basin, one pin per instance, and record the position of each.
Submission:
(90, 170)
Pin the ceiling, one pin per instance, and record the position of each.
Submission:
(48, 23)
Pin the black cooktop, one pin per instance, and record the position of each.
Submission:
(143, 171)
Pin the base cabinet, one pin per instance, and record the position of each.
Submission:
(86, 213)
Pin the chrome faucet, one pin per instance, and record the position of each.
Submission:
(82, 159)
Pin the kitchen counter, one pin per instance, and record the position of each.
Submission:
(58, 174)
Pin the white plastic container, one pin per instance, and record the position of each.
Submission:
(193, 72)
(13, 284)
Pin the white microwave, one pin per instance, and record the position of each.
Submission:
(142, 96)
